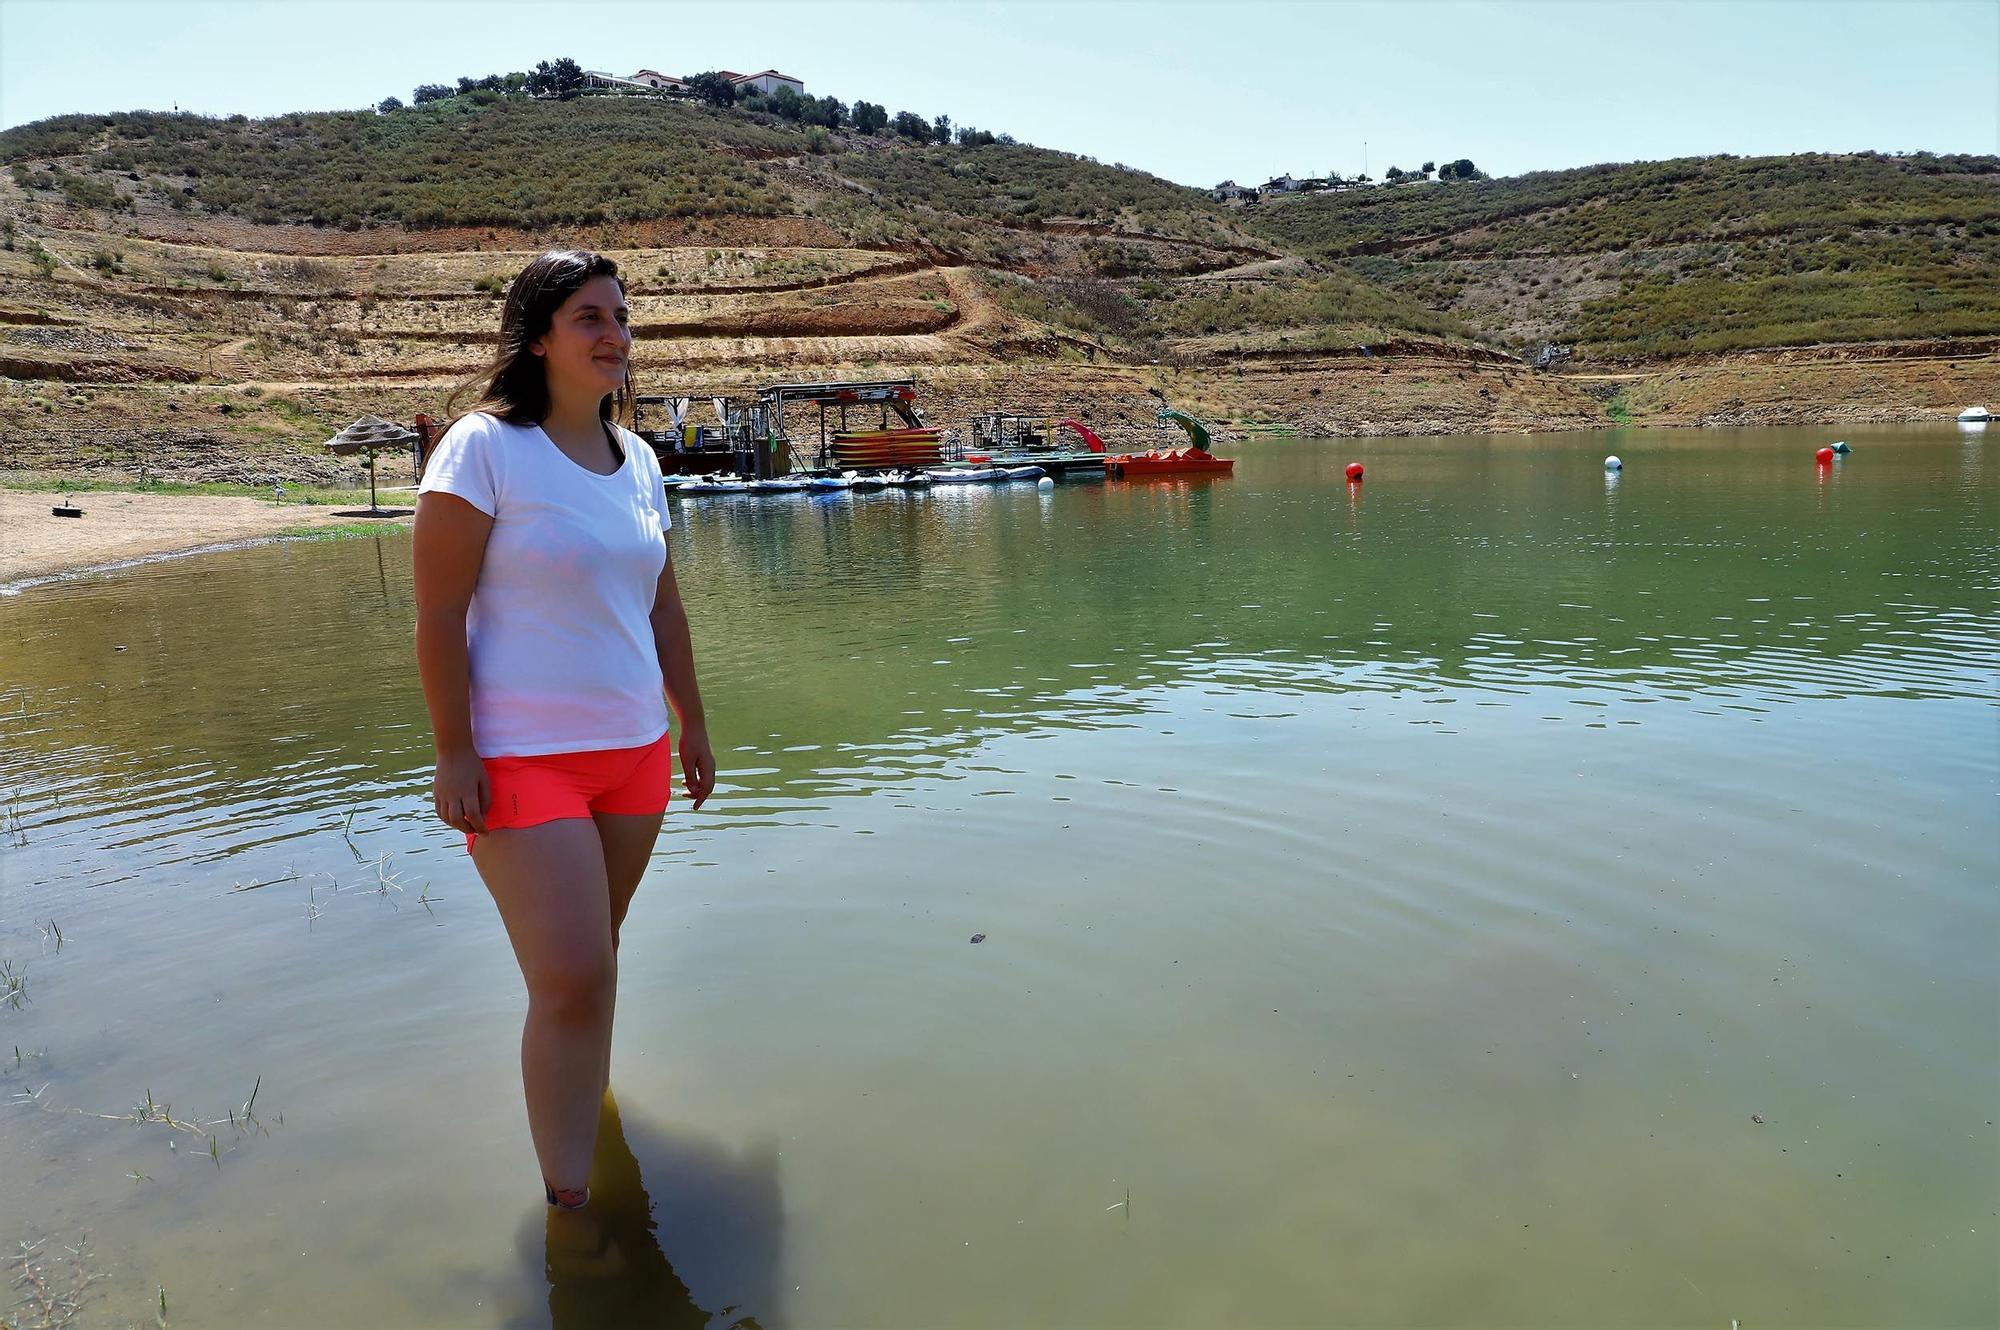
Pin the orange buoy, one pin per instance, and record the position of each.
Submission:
(1824, 457)
(1354, 470)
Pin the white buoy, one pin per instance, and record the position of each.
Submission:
(1045, 484)
(1612, 463)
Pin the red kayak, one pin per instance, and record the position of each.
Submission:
(876, 448)
(1187, 462)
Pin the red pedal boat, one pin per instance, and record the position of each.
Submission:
(1194, 460)
(1187, 462)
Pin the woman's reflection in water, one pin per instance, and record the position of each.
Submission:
(604, 1263)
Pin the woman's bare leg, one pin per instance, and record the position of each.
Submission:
(628, 847)
(555, 899)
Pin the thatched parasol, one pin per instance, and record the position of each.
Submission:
(369, 435)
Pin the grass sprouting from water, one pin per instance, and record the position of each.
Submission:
(388, 882)
(242, 1121)
(52, 1285)
(291, 874)
(13, 990)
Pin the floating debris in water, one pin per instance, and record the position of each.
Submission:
(1757, 1118)
(979, 937)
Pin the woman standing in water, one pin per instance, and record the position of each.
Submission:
(551, 640)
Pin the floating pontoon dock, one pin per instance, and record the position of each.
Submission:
(1016, 440)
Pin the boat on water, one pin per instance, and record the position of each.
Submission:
(780, 485)
(1004, 439)
(1185, 462)
(1974, 415)
(983, 475)
(724, 484)
(1193, 460)
(906, 480)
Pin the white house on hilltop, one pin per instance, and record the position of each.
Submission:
(653, 78)
(653, 81)
(597, 78)
(768, 82)
(1229, 191)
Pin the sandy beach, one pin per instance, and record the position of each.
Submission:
(118, 526)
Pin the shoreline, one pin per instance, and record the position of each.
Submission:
(121, 527)
(256, 433)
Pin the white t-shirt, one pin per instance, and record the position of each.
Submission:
(559, 630)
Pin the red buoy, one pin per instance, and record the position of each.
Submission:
(1354, 469)
(1824, 457)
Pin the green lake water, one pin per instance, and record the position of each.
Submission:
(1397, 902)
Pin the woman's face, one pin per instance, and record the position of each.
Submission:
(588, 342)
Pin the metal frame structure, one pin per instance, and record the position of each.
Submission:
(733, 443)
(885, 395)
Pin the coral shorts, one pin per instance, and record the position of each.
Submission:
(528, 791)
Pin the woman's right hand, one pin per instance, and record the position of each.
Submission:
(459, 791)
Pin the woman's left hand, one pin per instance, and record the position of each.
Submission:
(697, 762)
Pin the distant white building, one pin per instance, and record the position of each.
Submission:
(1229, 191)
(653, 81)
(1280, 184)
(767, 82)
(653, 78)
(597, 78)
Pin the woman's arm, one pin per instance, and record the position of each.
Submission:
(448, 547)
(676, 650)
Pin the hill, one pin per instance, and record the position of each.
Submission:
(1678, 257)
(490, 160)
(635, 167)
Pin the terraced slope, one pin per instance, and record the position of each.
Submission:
(732, 226)
(1688, 256)
(220, 362)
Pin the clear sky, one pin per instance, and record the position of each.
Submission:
(1192, 91)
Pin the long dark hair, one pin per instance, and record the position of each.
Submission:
(515, 386)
